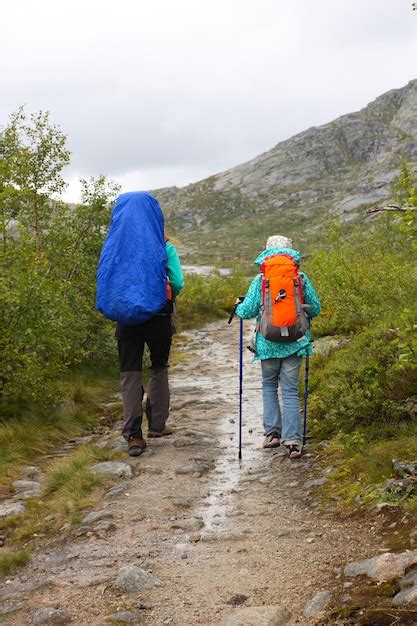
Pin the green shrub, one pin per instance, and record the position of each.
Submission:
(363, 277)
(206, 298)
(364, 384)
(12, 560)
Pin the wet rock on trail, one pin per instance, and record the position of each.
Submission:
(113, 469)
(132, 578)
(96, 516)
(190, 525)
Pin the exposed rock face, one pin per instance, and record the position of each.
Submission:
(339, 167)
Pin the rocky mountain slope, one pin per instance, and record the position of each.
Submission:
(337, 169)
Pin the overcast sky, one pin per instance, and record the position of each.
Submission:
(166, 92)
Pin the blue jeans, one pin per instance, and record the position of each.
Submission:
(286, 373)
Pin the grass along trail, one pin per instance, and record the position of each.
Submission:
(214, 536)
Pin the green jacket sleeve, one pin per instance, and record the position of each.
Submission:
(174, 269)
(251, 305)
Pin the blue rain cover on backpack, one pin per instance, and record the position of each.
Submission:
(131, 275)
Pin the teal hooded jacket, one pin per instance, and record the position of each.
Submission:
(251, 308)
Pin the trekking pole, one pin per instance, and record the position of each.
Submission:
(240, 385)
(241, 298)
(307, 368)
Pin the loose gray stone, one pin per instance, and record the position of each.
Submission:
(113, 469)
(51, 615)
(82, 530)
(125, 617)
(317, 482)
(410, 580)
(151, 470)
(403, 598)
(325, 345)
(133, 578)
(105, 525)
(194, 468)
(119, 444)
(30, 471)
(196, 432)
(191, 525)
(182, 502)
(26, 488)
(288, 530)
(205, 459)
(183, 442)
(146, 453)
(13, 608)
(228, 535)
(327, 471)
(95, 516)
(12, 508)
(257, 616)
(116, 492)
(383, 567)
(399, 487)
(404, 470)
(323, 445)
(316, 605)
(408, 593)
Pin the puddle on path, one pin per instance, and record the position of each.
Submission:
(217, 380)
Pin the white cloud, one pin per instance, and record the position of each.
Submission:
(174, 91)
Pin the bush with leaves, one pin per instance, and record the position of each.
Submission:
(363, 385)
(49, 258)
(366, 281)
(362, 276)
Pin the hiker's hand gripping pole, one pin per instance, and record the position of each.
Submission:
(233, 313)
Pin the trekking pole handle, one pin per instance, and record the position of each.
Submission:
(239, 301)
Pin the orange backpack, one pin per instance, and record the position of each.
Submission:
(283, 316)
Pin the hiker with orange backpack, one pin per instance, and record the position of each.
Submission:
(138, 278)
(283, 300)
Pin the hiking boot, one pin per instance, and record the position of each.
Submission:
(271, 440)
(165, 433)
(136, 446)
(294, 451)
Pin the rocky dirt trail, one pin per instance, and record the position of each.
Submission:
(201, 537)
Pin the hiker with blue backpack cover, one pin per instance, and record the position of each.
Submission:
(138, 278)
(283, 300)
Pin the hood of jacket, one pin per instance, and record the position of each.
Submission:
(271, 251)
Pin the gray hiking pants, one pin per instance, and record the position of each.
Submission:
(157, 334)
